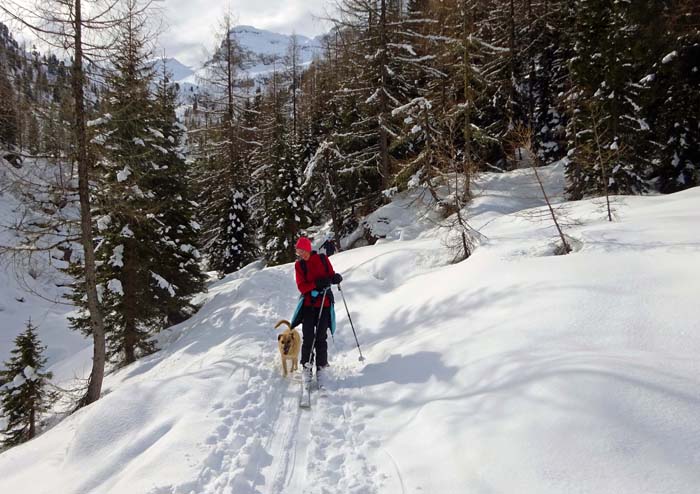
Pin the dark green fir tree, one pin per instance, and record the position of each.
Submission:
(608, 63)
(148, 265)
(284, 214)
(25, 396)
(672, 104)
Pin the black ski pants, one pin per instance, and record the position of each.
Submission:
(308, 328)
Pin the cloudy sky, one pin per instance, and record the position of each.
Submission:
(190, 24)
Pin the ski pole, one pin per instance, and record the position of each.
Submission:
(312, 357)
(351, 324)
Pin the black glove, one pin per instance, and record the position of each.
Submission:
(336, 279)
(322, 284)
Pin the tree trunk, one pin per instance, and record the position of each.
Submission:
(294, 49)
(96, 322)
(130, 303)
(333, 204)
(565, 245)
(530, 56)
(383, 104)
(467, 105)
(32, 419)
(513, 68)
(230, 103)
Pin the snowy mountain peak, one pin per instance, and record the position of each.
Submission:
(262, 41)
(178, 70)
(263, 52)
(266, 47)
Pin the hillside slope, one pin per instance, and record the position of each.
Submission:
(29, 289)
(513, 371)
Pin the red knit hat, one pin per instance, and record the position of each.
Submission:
(304, 244)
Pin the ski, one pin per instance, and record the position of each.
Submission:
(305, 397)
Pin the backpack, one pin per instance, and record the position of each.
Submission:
(329, 245)
(305, 268)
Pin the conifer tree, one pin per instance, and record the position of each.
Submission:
(605, 74)
(421, 80)
(24, 395)
(374, 83)
(548, 51)
(320, 157)
(278, 169)
(127, 234)
(8, 111)
(178, 259)
(148, 259)
(223, 162)
(346, 126)
(672, 99)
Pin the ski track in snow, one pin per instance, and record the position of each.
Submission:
(338, 446)
(266, 444)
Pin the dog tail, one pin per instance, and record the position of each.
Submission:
(283, 321)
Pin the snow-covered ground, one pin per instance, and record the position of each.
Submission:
(512, 371)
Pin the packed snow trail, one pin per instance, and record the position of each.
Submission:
(266, 444)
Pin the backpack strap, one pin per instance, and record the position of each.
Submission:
(324, 260)
(304, 268)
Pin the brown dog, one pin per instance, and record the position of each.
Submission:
(289, 344)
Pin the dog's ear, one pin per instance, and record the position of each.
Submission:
(279, 337)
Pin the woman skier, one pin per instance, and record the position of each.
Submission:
(314, 275)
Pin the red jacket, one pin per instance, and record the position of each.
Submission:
(307, 283)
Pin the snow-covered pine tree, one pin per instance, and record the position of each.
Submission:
(417, 118)
(25, 395)
(55, 140)
(321, 182)
(8, 110)
(178, 259)
(223, 173)
(126, 226)
(293, 66)
(305, 129)
(472, 65)
(278, 170)
(549, 48)
(318, 120)
(147, 258)
(605, 75)
(512, 60)
(334, 114)
(672, 98)
(77, 30)
(491, 35)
